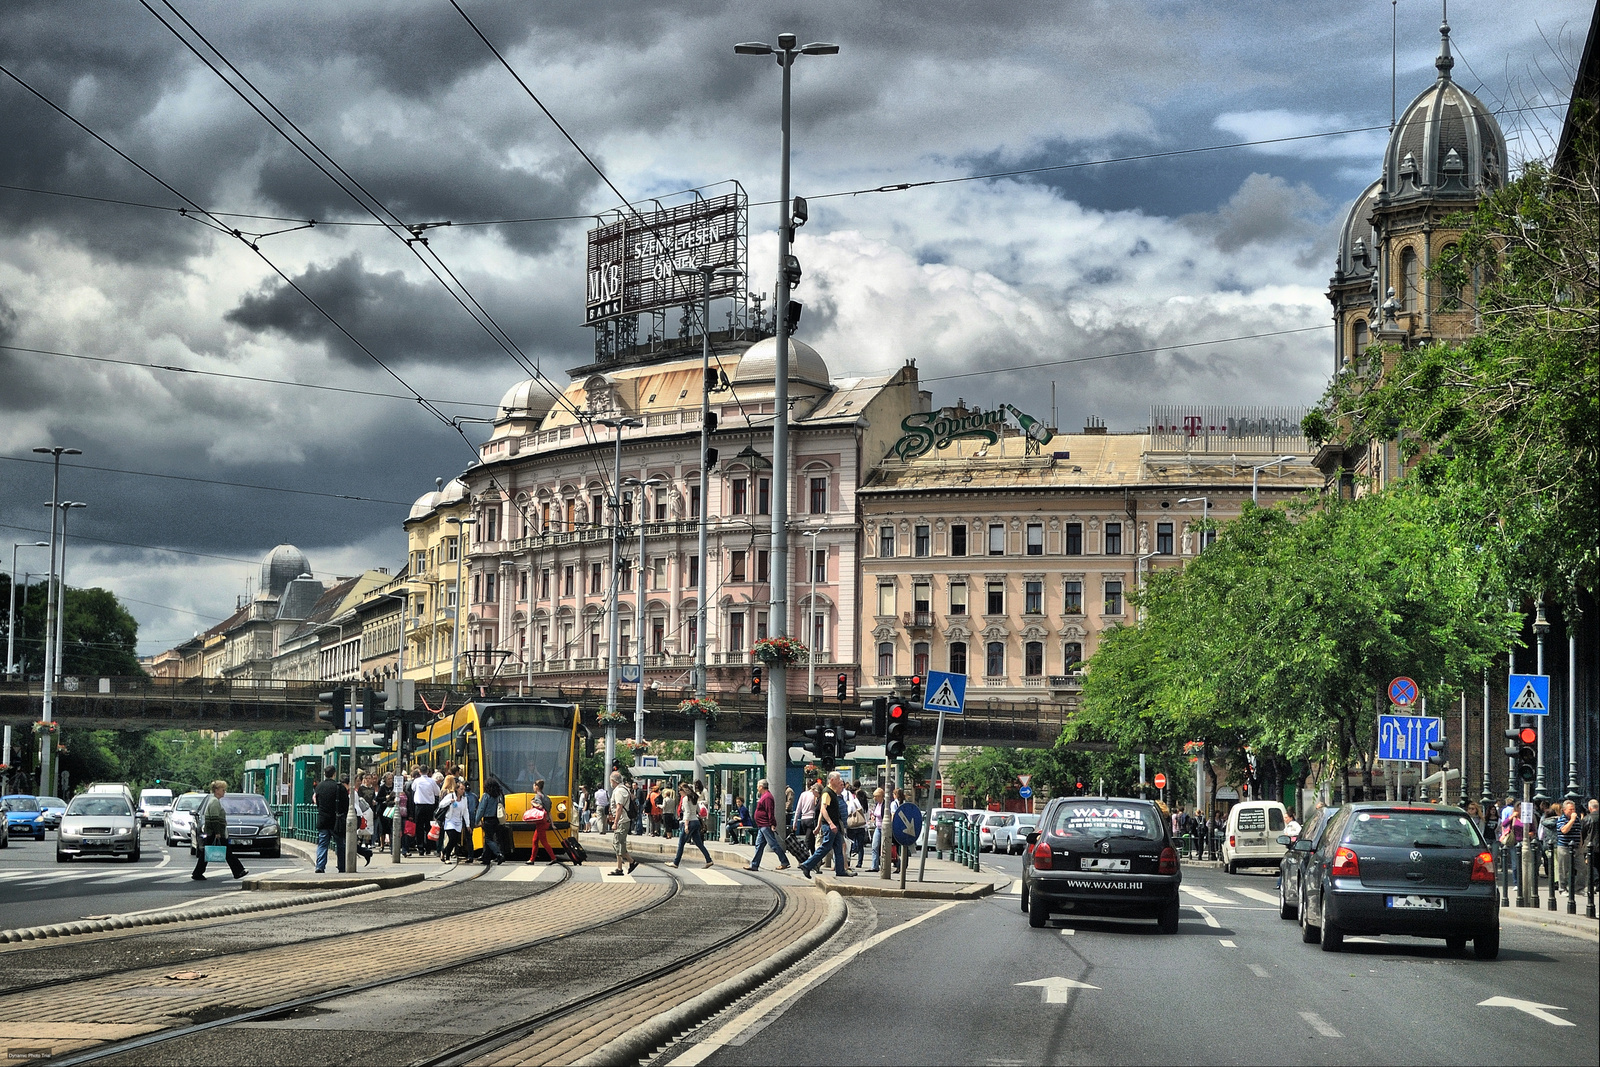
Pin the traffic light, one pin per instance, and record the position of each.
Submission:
(916, 689)
(755, 680)
(878, 724)
(387, 728)
(1080, 787)
(333, 714)
(894, 736)
(1513, 735)
(1527, 755)
(1435, 753)
(823, 743)
(711, 422)
(842, 745)
(844, 688)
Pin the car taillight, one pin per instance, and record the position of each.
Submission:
(1231, 842)
(1168, 863)
(1483, 867)
(1042, 857)
(1345, 864)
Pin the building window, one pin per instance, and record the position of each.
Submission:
(1163, 538)
(488, 587)
(492, 533)
(1072, 598)
(1359, 341)
(692, 632)
(477, 588)
(922, 542)
(1033, 659)
(627, 509)
(1072, 656)
(885, 659)
(763, 565)
(694, 572)
(694, 501)
(597, 510)
(958, 598)
(736, 566)
(958, 657)
(544, 517)
(1411, 292)
(761, 626)
(1113, 598)
(819, 565)
(886, 542)
(994, 659)
(544, 583)
(450, 595)
(1113, 538)
(626, 577)
(958, 539)
(1074, 539)
(452, 549)
(594, 643)
(736, 631)
(740, 492)
(624, 636)
(921, 598)
(997, 539)
(1033, 599)
(919, 658)
(997, 598)
(661, 507)
(886, 599)
(658, 636)
(566, 580)
(1035, 539)
(572, 515)
(763, 496)
(658, 573)
(819, 632)
(819, 496)
(522, 585)
(596, 579)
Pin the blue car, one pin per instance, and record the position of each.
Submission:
(24, 816)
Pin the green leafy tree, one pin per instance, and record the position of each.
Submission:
(99, 637)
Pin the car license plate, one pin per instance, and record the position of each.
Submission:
(1101, 863)
(238, 842)
(1415, 903)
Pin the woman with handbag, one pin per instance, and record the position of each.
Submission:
(363, 828)
(539, 810)
(213, 820)
(855, 824)
(491, 818)
(454, 820)
(691, 814)
(669, 811)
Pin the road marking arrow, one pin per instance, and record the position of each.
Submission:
(1530, 1007)
(1058, 990)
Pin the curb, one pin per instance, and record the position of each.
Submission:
(1561, 922)
(645, 1038)
(126, 922)
(913, 891)
(267, 882)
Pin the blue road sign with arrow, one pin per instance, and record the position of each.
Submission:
(946, 692)
(1529, 694)
(906, 826)
(1405, 737)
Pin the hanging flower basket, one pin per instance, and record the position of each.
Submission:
(46, 727)
(696, 709)
(634, 746)
(780, 651)
(611, 718)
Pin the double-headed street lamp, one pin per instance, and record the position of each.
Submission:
(785, 52)
(638, 612)
(1255, 473)
(461, 594)
(11, 619)
(617, 426)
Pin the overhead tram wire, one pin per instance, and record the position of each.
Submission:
(152, 548)
(216, 481)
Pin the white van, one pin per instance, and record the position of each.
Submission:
(1252, 836)
(154, 805)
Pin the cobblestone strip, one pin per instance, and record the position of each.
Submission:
(575, 1036)
(154, 1000)
(128, 922)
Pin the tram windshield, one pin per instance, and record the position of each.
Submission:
(518, 756)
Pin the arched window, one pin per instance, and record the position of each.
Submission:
(885, 658)
(1449, 280)
(958, 657)
(994, 665)
(1410, 292)
(919, 658)
(1033, 659)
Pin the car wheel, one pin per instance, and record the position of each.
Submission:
(1332, 936)
(1286, 910)
(274, 854)
(1308, 933)
(1232, 868)
(39, 836)
(1167, 921)
(1486, 945)
(1455, 945)
(1024, 894)
(62, 857)
(134, 858)
(1038, 911)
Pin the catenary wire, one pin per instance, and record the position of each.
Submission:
(212, 481)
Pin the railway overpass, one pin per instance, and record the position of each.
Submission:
(219, 704)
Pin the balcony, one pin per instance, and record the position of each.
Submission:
(919, 620)
(1073, 680)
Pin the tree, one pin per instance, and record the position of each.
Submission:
(99, 637)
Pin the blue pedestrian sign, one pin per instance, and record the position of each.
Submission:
(1529, 694)
(946, 692)
(1405, 737)
(1026, 792)
(906, 826)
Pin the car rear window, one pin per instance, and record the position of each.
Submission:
(52, 802)
(1252, 820)
(99, 805)
(244, 804)
(1096, 819)
(1412, 828)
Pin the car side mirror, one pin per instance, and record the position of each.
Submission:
(1285, 839)
(1305, 845)
(1033, 837)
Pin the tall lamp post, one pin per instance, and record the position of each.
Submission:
(1541, 627)
(785, 53)
(1205, 518)
(638, 608)
(617, 426)
(461, 525)
(46, 749)
(811, 616)
(1255, 473)
(11, 618)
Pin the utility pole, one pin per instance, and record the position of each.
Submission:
(461, 524)
(638, 610)
(611, 600)
(47, 739)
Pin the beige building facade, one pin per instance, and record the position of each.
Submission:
(434, 546)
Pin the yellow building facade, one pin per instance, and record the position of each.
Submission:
(433, 565)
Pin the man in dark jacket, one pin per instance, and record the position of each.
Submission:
(333, 804)
(766, 819)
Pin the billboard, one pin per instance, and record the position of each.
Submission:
(1210, 427)
(631, 258)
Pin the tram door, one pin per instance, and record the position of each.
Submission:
(467, 755)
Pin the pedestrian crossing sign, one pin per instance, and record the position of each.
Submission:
(1529, 694)
(946, 692)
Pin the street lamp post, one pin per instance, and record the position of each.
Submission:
(66, 507)
(461, 525)
(785, 53)
(46, 750)
(1255, 473)
(638, 608)
(11, 618)
(1541, 797)
(617, 425)
(1205, 518)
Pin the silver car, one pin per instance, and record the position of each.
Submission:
(177, 825)
(98, 824)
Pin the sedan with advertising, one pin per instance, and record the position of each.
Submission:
(1419, 871)
(251, 825)
(1092, 856)
(98, 824)
(24, 816)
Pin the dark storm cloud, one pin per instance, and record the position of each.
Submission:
(399, 320)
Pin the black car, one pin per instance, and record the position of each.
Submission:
(1384, 868)
(1101, 856)
(1293, 864)
(251, 825)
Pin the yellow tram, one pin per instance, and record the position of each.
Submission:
(511, 741)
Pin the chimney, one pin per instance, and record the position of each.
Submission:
(1094, 424)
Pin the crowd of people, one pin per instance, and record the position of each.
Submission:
(1566, 841)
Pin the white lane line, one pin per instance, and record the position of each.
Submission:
(1068, 933)
(1260, 971)
(1226, 943)
(1210, 919)
(1014, 889)
(1319, 1024)
(1365, 940)
(774, 1003)
(710, 876)
(1205, 896)
(1254, 894)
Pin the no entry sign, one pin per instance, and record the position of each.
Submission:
(1161, 781)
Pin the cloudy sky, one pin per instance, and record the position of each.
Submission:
(968, 278)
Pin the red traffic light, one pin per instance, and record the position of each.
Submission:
(1528, 735)
(896, 712)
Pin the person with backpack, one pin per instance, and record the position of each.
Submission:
(691, 815)
(491, 818)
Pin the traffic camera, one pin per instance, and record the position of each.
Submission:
(798, 214)
(791, 270)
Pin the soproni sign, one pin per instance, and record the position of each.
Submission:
(631, 260)
(926, 430)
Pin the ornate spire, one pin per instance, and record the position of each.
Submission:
(1445, 60)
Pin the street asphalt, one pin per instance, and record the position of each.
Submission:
(1234, 985)
(35, 890)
